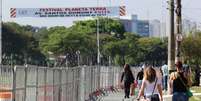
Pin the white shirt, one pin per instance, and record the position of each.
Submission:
(150, 86)
(165, 70)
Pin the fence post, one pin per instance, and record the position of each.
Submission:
(73, 84)
(53, 72)
(25, 82)
(66, 84)
(37, 83)
(14, 83)
(77, 84)
(45, 87)
(60, 85)
(91, 70)
(81, 84)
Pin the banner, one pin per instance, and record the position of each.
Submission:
(68, 12)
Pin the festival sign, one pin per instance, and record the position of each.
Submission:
(68, 12)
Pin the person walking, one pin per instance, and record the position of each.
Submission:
(151, 86)
(128, 79)
(140, 77)
(165, 76)
(178, 84)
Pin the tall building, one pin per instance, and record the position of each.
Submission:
(143, 28)
(155, 28)
(127, 24)
(134, 25)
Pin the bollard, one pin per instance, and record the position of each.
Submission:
(5, 96)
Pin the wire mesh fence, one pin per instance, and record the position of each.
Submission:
(33, 83)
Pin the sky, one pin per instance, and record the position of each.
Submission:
(145, 9)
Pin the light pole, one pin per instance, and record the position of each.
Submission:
(98, 43)
(98, 48)
(98, 36)
(1, 33)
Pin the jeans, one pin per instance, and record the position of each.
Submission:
(165, 80)
(179, 96)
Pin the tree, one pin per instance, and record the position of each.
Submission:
(18, 44)
(191, 48)
(152, 50)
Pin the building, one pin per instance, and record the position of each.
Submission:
(143, 28)
(146, 28)
(155, 28)
(134, 25)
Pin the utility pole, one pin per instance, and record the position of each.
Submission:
(171, 39)
(178, 31)
(1, 33)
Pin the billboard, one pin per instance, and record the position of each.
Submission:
(68, 12)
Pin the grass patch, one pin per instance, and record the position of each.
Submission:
(195, 98)
(197, 90)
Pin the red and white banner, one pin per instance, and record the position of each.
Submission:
(68, 12)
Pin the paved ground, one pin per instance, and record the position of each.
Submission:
(120, 97)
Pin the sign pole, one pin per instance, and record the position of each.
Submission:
(178, 31)
(1, 33)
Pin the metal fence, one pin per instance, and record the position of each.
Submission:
(32, 83)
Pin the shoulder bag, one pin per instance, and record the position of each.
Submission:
(154, 97)
(188, 92)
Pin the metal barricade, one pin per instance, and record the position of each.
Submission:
(6, 83)
(33, 83)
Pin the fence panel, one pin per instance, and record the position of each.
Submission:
(6, 82)
(20, 84)
(32, 83)
(41, 84)
(6, 78)
(64, 85)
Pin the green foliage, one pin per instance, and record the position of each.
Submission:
(152, 50)
(121, 46)
(191, 48)
(19, 45)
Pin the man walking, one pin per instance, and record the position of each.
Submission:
(165, 76)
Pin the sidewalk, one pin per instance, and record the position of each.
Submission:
(119, 96)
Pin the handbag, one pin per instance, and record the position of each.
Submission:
(154, 97)
(188, 92)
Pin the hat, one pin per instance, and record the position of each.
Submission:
(178, 64)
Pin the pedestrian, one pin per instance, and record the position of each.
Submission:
(178, 84)
(197, 75)
(151, 86)
(140, 77)
(165, 76)
(128, 79)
